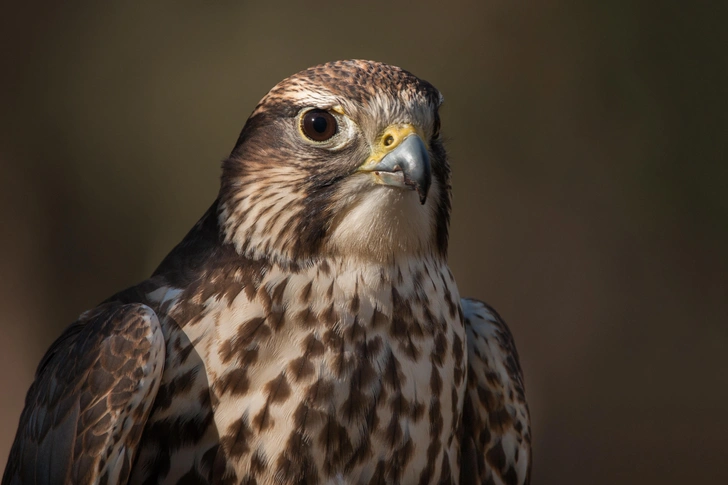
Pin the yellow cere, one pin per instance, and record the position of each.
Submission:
(388, 141)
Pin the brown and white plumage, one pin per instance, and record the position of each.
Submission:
(85, 412)
(312, 330)
(495, 414)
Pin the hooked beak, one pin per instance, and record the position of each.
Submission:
(403, 162)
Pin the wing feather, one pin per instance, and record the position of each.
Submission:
(92, 393)
(496, 422)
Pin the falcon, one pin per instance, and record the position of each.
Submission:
(306, 330)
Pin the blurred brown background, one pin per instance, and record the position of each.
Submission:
(589, 145)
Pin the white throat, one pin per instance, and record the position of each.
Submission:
(384, 224)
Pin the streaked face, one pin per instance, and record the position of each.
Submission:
(343, 158)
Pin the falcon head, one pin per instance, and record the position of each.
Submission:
(340, 159)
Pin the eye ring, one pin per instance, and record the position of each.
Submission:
(319, 125)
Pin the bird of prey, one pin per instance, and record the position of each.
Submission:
(306, 330)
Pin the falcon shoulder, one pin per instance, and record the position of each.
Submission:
(93, 391)
(496, 440)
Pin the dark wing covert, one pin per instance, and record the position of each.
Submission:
(496, 427)
(93, 391)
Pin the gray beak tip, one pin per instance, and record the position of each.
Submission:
(412, 158)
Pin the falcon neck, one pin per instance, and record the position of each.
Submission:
(346, 294)
(204, 252)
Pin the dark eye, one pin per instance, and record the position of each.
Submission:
(318, 125)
